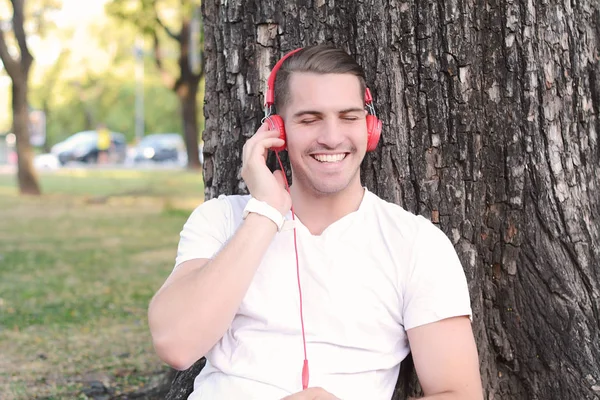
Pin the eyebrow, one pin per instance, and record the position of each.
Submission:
(318, 113)
(351, 110)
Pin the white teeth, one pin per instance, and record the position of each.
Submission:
(329, 157)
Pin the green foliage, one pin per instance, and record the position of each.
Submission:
(83, 87)
(145, 14)
(79, 95)
(140, 13)
(38, 13)
(159, 21)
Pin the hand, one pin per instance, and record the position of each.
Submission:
(315, 393)
(262, 184)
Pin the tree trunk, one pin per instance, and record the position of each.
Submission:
(187, 93)
(26, 176)
(18, 70)
(187, 90)
(491, 124)
(47, 148)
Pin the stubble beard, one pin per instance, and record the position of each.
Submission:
(320, 189)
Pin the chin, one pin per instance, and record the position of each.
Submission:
(325, 184)
(329, 188)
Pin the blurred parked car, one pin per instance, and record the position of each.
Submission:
(83, 147)
(46, 161)
(183, 160)
(160, 147)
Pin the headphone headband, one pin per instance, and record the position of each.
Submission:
(270, 96)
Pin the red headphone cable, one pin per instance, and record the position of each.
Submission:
(305, 374)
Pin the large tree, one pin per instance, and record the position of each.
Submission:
(491, 124)
(17, 64)
(182, 29)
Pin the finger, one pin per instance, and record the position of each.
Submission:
(258, 137)
(265, 144)
(259, 149)
(264, 126)
(261, 134)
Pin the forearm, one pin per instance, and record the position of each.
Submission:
(454, 395)
(189, 315)
(443, 396)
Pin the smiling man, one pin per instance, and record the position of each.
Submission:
(377, 282)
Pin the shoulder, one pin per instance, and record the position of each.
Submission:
(208, 228)
(395, 220)
(236, 202)
(227, 207)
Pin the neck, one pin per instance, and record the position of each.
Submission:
(318, 211)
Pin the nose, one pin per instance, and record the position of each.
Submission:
(332, 134)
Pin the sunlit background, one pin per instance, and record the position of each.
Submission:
(86, 72)
(80, 263)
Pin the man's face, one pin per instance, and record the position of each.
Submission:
(325, 123)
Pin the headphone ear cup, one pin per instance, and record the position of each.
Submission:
(276, 123)
(374, 126)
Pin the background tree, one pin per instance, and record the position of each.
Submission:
(17, 66)
(147, 16)
(89, 80)
(45, 93)
(491, 124)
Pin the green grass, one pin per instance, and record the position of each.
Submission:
(101, 182)
(78, 267)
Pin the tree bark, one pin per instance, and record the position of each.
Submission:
(491, 124)
(18, 70)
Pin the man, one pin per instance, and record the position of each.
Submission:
(376, 280)
(103, 144)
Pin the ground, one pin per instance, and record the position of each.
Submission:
(78, 267)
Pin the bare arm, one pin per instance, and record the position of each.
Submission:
(446, 360)
(197, 303)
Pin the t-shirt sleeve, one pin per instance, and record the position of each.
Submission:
(206, 231)
(436, 287)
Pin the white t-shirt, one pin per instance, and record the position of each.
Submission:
(368, 278)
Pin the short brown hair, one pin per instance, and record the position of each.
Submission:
(321, 59)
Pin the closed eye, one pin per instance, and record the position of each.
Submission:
(308, 121)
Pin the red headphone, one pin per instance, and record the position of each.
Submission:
(373, 123)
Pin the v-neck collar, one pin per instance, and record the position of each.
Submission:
(337, 227)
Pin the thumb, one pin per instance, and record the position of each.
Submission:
(280, 178)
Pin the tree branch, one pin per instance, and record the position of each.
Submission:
(163, 26)
(18, 28)
(10, 64)
(167, 79)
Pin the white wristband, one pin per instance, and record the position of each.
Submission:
(262, 208)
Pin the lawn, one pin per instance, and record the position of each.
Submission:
(78, 267)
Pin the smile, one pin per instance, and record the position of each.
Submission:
(329, 158)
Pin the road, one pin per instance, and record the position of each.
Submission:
(12, 169)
